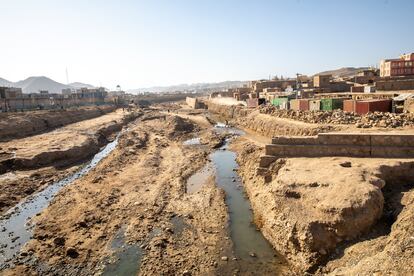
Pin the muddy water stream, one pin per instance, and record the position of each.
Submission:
(15, 228)
(254, 253)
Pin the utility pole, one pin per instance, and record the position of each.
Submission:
(297, 84)
(67, 76)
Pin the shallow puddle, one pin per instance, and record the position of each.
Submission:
(178, 225)
(128, 257)
(15, 228)
(192, 142)
(197, 180)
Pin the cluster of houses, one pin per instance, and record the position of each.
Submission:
(13, 99)
(388, 89)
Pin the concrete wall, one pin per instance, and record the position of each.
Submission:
(390, 85)
(321, 81)
(339, 144)
(191, 102)
(14, 104)
(194, 103)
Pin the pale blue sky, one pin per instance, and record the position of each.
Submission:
(145, 43)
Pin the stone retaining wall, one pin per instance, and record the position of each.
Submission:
(341, 144)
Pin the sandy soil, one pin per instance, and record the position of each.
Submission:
(61, 139)
(140, 187)
(327, 210)
(30, 163)
(21, 124)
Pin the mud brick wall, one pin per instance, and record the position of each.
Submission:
(340, 144)
(228, 111)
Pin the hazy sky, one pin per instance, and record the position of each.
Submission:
(145, 43)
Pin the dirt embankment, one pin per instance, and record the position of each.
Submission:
(139, 187)
(18, 125)
(229, 111)
(388, 249)
(63, 146)
(318, 211)
(268, 125)
(30, 163)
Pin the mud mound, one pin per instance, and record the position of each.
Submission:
(389, 248)
(306, 215)
(177, 126)
(132, 140)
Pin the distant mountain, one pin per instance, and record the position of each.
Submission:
(81, 85)
(4, 82)
(343, 72)
(35, 84)
(190, 87)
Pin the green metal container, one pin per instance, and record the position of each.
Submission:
(332, 104)
(279, 101)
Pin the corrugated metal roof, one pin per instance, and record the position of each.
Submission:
(403, 97)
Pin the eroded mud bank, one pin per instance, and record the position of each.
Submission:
(316, 211)
(17, 125)
(32, 163)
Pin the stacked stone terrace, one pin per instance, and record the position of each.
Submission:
(374, 145)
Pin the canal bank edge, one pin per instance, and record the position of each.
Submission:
(312, 215)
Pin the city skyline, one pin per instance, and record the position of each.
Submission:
(159, 43)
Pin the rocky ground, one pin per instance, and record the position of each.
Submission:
(376, 119)
(271, 126)
(30, 163)
(345, 216)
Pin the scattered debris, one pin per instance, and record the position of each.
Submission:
(376, 119)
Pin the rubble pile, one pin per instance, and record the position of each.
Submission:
(376, 119)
